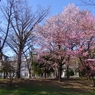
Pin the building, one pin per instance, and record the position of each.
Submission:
(12, 62)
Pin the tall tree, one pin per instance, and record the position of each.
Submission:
(66, 35)
(86, 47)
(59, 35)
(23, 22)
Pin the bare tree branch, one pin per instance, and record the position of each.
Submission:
(88, 2)
(22, 24)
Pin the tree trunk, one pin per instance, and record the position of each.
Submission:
(0, 53)
(59, 72)
(11, 78)
(67, 72)
(30, 73)
(4, 75)
(19, 66)
(45, 73)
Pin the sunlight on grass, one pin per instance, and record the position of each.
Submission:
(44, 93)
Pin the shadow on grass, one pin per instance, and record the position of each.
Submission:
(41, 87)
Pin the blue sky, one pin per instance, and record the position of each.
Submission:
(57, 5)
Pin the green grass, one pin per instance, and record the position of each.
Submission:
(41, 91)
(43, 87)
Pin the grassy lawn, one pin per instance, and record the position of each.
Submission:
(47, 87)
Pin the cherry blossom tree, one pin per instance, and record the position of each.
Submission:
(60, 35)
(66, 35)
(86, 47)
